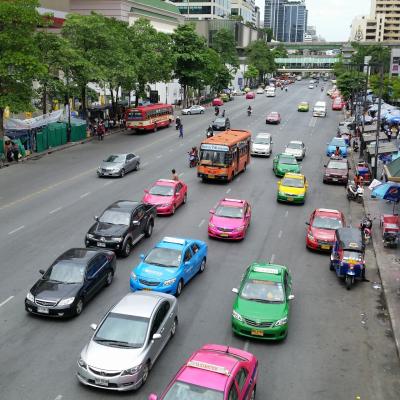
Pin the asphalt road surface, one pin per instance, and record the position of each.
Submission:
(339, 344)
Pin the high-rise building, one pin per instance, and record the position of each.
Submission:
(287, 19)
(243, 8)
(204, 9)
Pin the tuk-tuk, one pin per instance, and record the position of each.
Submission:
(347, 257)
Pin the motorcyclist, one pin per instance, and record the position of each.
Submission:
(177, 122)
(209, 131)
(322, 88)
(337, 151)
(249, 110)
(216, 110)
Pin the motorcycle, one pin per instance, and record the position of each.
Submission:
(193, 160)
(355, 146)
(366, 228)
(216, 111)
(248, 112)
(354, 192)
(209, 134)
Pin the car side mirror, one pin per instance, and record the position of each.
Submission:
(93, 326)
(291, 297)
(212, 211)
(278, 183)
(135, 223)
(96, 218)
(186, 262)
(152, 396)
(146, 191)
(307, 223)
(41, 271)
(156, 336)
(142, 256)
(325, 165)
(235, 290)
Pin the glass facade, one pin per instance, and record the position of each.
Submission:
(209, 9)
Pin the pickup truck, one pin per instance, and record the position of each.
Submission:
(121, 225)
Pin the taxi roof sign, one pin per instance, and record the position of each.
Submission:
(208, 367)
(169, 239)
(233, 200)
(265, 270)
(166, 180)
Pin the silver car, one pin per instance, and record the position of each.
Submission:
(193, 110)
(261, 145)
(296, 148)
(119, 165)
(128, 341)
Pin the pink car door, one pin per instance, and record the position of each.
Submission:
(178, 194)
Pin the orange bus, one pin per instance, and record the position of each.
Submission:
(224, 155)
(149, 118)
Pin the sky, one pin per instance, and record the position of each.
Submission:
(332, 18)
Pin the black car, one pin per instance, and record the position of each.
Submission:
(121, 226)
(221, 124)
(70, 282)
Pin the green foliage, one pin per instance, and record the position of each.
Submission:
(390, 87)
(236, 18)
(224, 44)
(350, 82)
(216, 73)
(279, 52)
(339, 68)
(259, 55)
(379, 54)
(251, 73)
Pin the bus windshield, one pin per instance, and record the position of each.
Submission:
(216, 158)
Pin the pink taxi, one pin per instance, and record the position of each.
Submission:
(229, 219)
(217, 372)
(166, 195)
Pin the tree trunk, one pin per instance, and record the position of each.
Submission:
(1, 125)
(44, 99)
(112, 101)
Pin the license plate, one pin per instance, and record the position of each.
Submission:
(43, 310)
(335, 179)
(99, 244)
(224, 234)
(148, 289)
(256, 332)
(211, 176)
(325, 246)
(101, 382)
(290, 199)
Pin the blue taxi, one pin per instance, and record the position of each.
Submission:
(169, 265)
(337, 142)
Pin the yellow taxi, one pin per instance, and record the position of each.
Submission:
(292, 188)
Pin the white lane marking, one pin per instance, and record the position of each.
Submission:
(16, 229)
(108, 183)
(238, 179)
(201, 223)
(228, 191)
(286, 213)
(280, 234)
(246, 345)
(59, 397)
(6, 301)
(159, 156)
(181, 174)
(84, 195)
(145, 164)
(272, 259)
(55, 210)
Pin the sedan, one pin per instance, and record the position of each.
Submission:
(337, 171)
(193, 110)
(296, 148)
(311, 86)
(250, 95)
(303, 106)
(273, 118)
(128, 341)
(119, 165)
(283, 163)
(71, 281)
(261, 145)
(217, 102)
(335, 143)
(292, 188)
(221, 124)
(260, 90)
(166, 195)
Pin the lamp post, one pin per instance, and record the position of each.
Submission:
(378, 124)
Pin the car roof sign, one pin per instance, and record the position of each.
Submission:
(166, 180)
(233, 200)
(264, 270)
(208, 367)
(169, 239)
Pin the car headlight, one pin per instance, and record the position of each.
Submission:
(237, 316)
(66, 302)
(89, 236)
(133, 276)
(211, 225)
(281, 193)
(30, 297)
(82, 363)
(132, 370)
(117, 239)
(280, 322)
(240, 228)
(169, 282)
(310, 236)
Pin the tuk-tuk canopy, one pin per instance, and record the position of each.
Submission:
(350, 239)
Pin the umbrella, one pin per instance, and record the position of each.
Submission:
(387, 191)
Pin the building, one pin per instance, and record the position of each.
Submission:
(244, 9)
(257, 17)
(198, 10)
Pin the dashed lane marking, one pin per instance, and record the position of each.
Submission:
(201, 223)
(145, 164)
(84, 195)
(6, 301)
(108, 183)
(159, 156)
(16, 229)
(246, 345)
(181, 174)
(55, 210)
(272, 259)
(59, 397)
(280, 234)
(228, 191)
(286, 213)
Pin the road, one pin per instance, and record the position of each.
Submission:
(339, 343)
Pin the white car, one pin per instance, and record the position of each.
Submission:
(193, 110)
(260, 90)
(297, 149)
(311, 86)
(261, 145)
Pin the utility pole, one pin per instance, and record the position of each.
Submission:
(366, 66)
(378, 126)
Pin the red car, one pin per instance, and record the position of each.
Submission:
(321, 228)
(273, 118)
(250, 95)
(217, 102)
(166, 195)
(338, 104)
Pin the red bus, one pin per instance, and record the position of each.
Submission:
(149, 118)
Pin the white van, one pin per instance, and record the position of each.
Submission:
(319, 109)
(270, 91)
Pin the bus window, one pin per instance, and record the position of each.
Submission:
(214, 157)
(135, 114)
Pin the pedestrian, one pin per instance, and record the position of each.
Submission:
(15, 151)
(106, 124)
(337, 151)
(389, 134)
(181, 131)
(175, 177)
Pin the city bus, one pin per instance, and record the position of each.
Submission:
(150, 117)
(224, 155)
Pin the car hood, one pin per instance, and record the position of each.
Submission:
(155, 200)
(53, 291)
(260, 311)
(154, 272)
(260, 146)
(336, 171)
(293, 152)
(104, 229)
(111, 358)
(288, 168)
(323, 234)
(219, 124)
(111, 165)
(222, 222)
(292, 190)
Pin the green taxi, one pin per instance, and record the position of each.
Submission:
(225, 97)
(283, 163)
(262, 305)
(303, 106)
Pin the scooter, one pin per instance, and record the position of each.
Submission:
(248, 113)
(209, 134)
(193, 160)
(354, 192)
(366, 228)
(355, 146)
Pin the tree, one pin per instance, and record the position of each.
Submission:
(390, 87)
(251, 74)
(379, 54)
(216, 73)
(280, 51)
(223, 42)
(189, 50)
(261, 57)
(19, 60)
(350, 82)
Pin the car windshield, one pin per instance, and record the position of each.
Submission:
(287, 160)
(163, 257)
(303, 104)
(115, 159)
(220, 121)
(263, 291)
(337, 165)
(115, 217)
(65, 272)
(187, 391)
(293, 145)
(273, 114)
(161, 190)
(327, 223)
(338, 142)
(262, 140)
(293, 182)
(229, 212)
(352, 255)
(121, 330)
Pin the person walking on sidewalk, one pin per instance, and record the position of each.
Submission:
(181, 131)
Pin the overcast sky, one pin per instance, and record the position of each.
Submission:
(332, 17)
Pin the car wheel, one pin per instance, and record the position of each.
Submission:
(78, 307)
(127, 248)
(137, 167)
(331, 266)
(109, 277)
(173, 209)
(179, 288)
(145, 373)
(203, 265)
(189, 113)
(185, 198)
(253, 394)
(155, 128)
(173, 328)
(149, 229)
(202, 112)
(122, 173)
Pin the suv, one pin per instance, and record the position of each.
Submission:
(121, 226)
